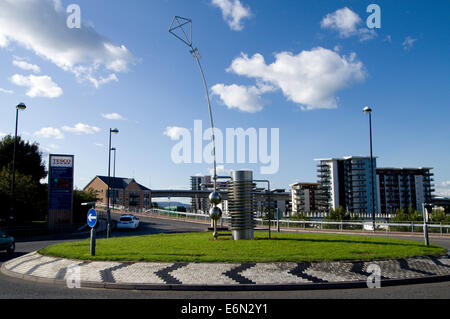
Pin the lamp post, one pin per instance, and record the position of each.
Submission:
(114, 177)
(108, 212)
(19, 107)
(368, 110)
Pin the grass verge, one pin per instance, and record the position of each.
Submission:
(283, 247)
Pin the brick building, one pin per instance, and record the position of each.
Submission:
(126, 193)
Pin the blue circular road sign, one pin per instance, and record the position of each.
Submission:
(92, 218)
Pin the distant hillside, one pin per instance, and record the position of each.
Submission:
(172, 204)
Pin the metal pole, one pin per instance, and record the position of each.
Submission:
(108, 212)
(278, 220)
(93, 237)
(425, 225)
(269, 202)
(114, 179)
(371, 172)
(194, 52)
(13, 204)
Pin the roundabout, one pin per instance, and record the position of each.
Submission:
(230, 265)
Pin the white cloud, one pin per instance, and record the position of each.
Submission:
(39, 86)
(27, 66)
(366, 34)
(246, 99)
(99, 145)
(2, 134)
(408, 43)
(443, 189)
(40, 26)
(6, 91)
(50, 148)
(233, 12)
(310, 78)
(49, 132)
(344, 20)
(3, 41)
(346, 23)
(220, 170)
(81, 128)
(174, 132)
(98, 82)
(113, 116)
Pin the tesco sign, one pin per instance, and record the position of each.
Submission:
(61, 161)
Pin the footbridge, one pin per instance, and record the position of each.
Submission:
(174, 193)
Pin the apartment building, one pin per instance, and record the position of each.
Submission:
(403, 188)
(346, 182)
(304, 198)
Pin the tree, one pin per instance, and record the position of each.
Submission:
(439, 216)
(28, 157)
(30, 197)
(299, 216)
(340, 214)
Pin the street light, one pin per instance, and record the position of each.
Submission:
(108, 212)
(19, 107)
(368, 110)
(114, 177)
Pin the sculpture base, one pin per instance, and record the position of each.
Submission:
(242, 234)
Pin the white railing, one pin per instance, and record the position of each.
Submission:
(304, 224)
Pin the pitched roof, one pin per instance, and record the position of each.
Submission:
(120, 182)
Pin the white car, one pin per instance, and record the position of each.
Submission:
(128, 222)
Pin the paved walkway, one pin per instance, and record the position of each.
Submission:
(223, 276)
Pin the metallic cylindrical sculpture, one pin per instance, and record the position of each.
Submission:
(241, 205)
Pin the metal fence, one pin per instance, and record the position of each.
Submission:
(411, 227)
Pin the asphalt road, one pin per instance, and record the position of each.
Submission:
(12, 288)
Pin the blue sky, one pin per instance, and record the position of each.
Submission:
(321, 65)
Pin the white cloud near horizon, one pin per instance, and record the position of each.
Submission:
(113, 116)
(38, 86)
(310, 79)
(27, 66)
(346, 23)
(40, 26)
(233, 12)
(220, 170)
(81, 128)
(49, 132)
(443, 189)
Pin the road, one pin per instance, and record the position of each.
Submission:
(12, 288)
